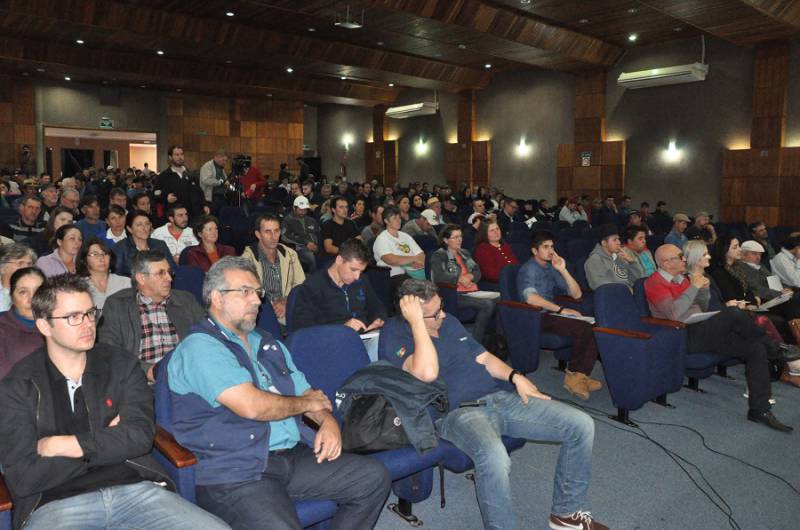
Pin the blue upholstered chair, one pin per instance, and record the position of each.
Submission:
(328, 355)
(642, 362)
(177, 461)
(189, 278)
(379, 280)
(268, 321)
(522, 324)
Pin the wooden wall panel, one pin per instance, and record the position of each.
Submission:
(18, 121)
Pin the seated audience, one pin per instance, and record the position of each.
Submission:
(491, 253)
(18, 334)
(431, 344)
(702, 229)
(360, 216)
(209, 251)
(572, 211)
(636, 243)
(452, 264)
(142, 203)
(70, 197)
(27, 226)
(673, 296)
(278, 266)
(759, 234)
(116, 224)
(786, 263)
(607, 214)
(66, 244)
(13, 256)
(610, 262)
(433, 203)
(375, 227)
(149, 318)
(139, 228)
(395, 249)
(176, 233)
(59, 216)
(507, 215)
(301, 232)
(77, 443)
(677, 236)
(406, 212)
(95, 263)
(540, 279)
(222, 390)
(339, 229)
(422, 225)
(91, 225)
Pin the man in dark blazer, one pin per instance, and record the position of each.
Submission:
(177, 185)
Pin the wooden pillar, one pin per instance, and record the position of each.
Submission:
(381, 153)
(468, 160)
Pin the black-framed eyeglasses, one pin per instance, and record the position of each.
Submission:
(245, 291)
(679, 256)
(438, 311)
(76, 319)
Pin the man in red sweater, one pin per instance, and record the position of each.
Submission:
(673, 295)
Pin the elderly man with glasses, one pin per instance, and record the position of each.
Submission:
(150, 318)
(674, 295)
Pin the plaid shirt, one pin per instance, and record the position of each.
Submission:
(158, 333)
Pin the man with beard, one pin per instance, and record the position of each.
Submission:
(245, 393)
(176, 233)
(176, 185)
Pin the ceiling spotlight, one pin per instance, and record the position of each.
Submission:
(160, 52)
(289, 69)
(462, 46)
(583, 21)
(228, 61)
(25, 74)
(347, 22)
(525, 2)
(391, 84)
(269, 95)
(40, 70)
(142, 86)
(178, 89)
(379, 43)
(229, 13)
(312, 29)
(67, 78)
(79, 41)
(632, 37)
(632, 10)
(343, 78)
(487, 65)
(677, 28)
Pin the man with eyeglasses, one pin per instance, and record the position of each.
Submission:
(429, 344)
(674, 296)
(77, 429)
(150, 318)
(239, 408)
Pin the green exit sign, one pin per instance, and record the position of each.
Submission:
(106, 123)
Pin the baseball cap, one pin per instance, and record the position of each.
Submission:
(301, 202)
(701, 214)
(752, 246)
(680, 217)
(430, 216)
(432, 201)
(471, 218)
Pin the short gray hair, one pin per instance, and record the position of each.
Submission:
(140, 264)
(15, 251)
(694, 251)
(67, 191)
(424, 289)
(215, 277)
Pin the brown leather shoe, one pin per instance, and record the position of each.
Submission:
(593, 384)
(786, 377)
(575, 383)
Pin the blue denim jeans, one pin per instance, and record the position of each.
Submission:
(140, 505)
(477, 431)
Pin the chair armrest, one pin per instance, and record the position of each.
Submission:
(567, 298)
(5, 496)
(663, 322)
(443, 285)
(177, 455)
(623, 333)
(520, 305)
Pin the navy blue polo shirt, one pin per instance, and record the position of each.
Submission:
(466, 380)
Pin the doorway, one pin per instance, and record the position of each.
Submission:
(73, 161)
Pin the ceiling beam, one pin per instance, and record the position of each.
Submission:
(127, 23)
(784, 11)
(491, 19)
(94, 64)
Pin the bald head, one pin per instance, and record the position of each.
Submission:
(670, 259)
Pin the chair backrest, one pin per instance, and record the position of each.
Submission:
(290, 301)
(426, 243)
(640, 298)
(615, 307)
(654, 241)
(521, 250)
(522, 329)
(183, 258)
(268, 321)
(327, 355)
(579, 249)
(189, 278)
(508, 283)
(163, 405)
(379, 280)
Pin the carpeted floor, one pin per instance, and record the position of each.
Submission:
(636, 485)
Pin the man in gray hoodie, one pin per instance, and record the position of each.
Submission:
(610, 261)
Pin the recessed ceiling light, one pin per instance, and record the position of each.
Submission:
(67, 78)
(525, 2)
(343, 78)
(25, 74)
(269, 95)
(142, 86)
(105, 82)
(229, 13)
(312, 29)
(391, 84)
(462, 46)
(79, 41)
(677, 28)
(289, 69)
(40, 69)
(178, 89)
(487, 65)
(228, 61)
(632, 10)
(583, 21)
(160, 52)
(379, 43)
(632, 37)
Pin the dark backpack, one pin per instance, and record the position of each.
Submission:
(371, 424)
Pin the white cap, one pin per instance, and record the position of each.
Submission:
(301, 202)
(471, 218)
(430, 216)
(752, 246)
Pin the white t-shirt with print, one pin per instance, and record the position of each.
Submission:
(402, 245)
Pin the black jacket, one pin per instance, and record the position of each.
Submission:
(320, 301)
(186, 189)
(409, 396)
(113, 384)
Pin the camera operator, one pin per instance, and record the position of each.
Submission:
(212, 174)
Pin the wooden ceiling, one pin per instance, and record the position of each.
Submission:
(431, 44)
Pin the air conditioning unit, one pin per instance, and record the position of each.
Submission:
(415, 109)
(671, 75)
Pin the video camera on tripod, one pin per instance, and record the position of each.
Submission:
(233, 188)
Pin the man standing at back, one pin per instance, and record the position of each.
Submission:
(176, 184)
(238, 402)
(212, 174)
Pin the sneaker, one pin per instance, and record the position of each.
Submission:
(575, 383)
(593, 384)
(575, 521)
